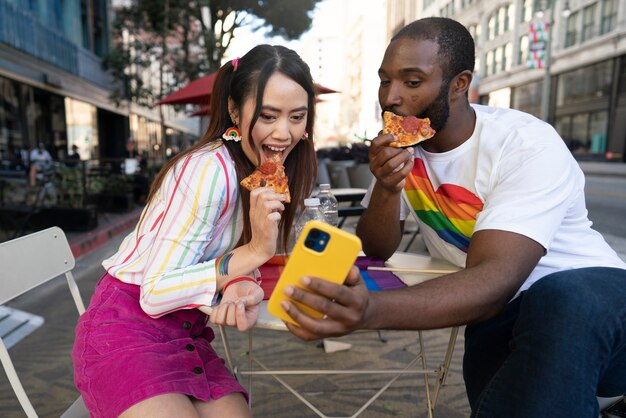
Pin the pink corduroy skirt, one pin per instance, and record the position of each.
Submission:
(122, 356)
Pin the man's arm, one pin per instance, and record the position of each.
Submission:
(498, 262)
(380, 228)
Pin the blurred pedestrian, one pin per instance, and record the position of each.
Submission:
(40, 161)
(73, 158)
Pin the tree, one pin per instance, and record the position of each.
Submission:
(163, 44)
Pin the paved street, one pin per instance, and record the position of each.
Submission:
(43, 357)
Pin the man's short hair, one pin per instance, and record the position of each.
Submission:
(456, 45)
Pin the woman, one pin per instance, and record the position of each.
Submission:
(142, 348)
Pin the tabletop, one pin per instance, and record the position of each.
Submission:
(399, 259)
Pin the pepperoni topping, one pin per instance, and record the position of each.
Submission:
(410, 123)
(268, 167)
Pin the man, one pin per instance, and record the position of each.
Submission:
(497, 192)
(73, 158)
(40, 161)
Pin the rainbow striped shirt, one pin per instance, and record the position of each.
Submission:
(450, 210)
(193, 219)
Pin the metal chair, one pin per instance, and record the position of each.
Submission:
(29, 262)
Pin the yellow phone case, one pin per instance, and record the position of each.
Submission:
(332, 263)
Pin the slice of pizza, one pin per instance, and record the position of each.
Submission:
(269, 174)
(408, 130)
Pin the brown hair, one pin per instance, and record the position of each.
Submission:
(249, 80)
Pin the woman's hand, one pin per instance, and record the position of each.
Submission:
(345, 307)
(266, 207)
(239, 306)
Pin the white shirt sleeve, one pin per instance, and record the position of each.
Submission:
(532, 188)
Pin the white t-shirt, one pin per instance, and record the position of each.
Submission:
(38, 156)
(513, 174)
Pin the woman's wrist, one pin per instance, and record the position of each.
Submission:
(241, 279)
(257, 256)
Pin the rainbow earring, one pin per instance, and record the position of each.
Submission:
(232, 134)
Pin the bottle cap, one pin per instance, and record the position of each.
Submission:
(324, 186)
(312, 201)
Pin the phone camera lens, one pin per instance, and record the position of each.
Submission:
(315, 233)
(309, 243)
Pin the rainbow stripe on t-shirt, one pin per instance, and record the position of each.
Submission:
(450, 210)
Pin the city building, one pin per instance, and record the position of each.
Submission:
(561, 60)
(53, 89)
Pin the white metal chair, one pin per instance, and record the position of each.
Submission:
(28, 262)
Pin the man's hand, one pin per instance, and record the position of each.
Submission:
(390, 165)
(345, 307)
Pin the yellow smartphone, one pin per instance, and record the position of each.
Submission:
(321, 251)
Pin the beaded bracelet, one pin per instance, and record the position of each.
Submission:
(241, 279)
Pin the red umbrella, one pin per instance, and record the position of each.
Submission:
(196, 92)
(199, 92)
(204, 110)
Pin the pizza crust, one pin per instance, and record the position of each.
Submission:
(408, 130)
(269, 174)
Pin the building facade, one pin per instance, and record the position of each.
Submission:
(53, 89)
(561, 60)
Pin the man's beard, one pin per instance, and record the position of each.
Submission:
(438, 111)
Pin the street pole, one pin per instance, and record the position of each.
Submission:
(546, 88)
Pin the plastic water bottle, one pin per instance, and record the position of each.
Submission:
(311, 212)
(328, 205)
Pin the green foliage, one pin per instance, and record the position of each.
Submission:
(188, 39)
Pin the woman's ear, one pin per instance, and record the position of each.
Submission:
(461, 83)
(233, 111)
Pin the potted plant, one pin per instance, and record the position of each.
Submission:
(112, 193)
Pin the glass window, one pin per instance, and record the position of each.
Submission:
(508, 57)
(498, 57)
(609, 16)
(527, 11)
(585, 84)
(510, 18)
(563, 125)
(501, 25)
(474, 30)
(523, 50)
(527, 98)
(491, 28)
(598, 123)
(500, 98)
(579, 134)
(489, 69)
(589, 14)
(571, 32)
(82, 127)
(11, 131)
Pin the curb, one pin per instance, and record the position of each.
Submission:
(84, 243)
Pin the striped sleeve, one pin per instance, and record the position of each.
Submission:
(193, 196)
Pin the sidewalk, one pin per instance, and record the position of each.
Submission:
(593, 168)
(45, 365)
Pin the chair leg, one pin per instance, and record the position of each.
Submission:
(411, 240)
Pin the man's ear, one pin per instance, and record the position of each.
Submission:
(233, 111)
(461, 84)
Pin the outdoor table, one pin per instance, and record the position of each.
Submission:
(376, 281)
(352, 195)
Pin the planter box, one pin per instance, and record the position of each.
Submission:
(112, 203)
(68, 219)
